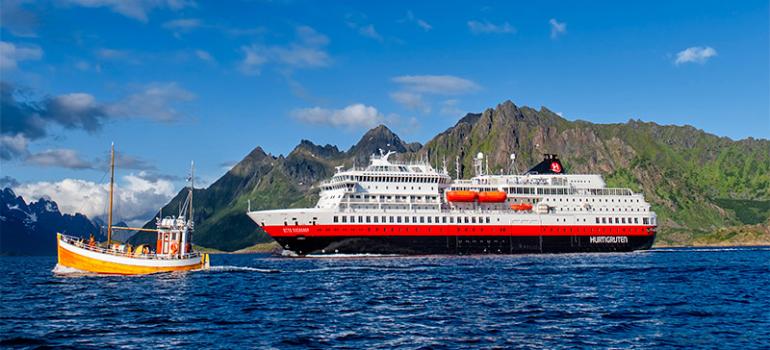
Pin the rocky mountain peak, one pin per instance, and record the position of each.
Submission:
(375, 139)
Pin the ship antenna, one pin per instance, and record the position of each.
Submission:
(457, 168)
(112, 185)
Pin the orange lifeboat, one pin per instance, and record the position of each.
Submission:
(492, 197)
(461, 196)
(521, 206)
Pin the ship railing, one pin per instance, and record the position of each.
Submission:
(80, 243)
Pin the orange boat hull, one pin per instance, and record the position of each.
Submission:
(74, 257)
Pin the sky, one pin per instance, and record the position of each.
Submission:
(170, 81)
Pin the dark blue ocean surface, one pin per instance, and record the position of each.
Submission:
(678, 298)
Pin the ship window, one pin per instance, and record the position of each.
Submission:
(604, 220)
(398, 219)
(436, 219)
(360, 219)
(487, 219)
(617, 221)
(645, 221)
(636, 220)
(368, 219)
(443, 220)
(466, 220)
(344, 219)
(422, 219)
(429, 221)
(451, 219)
(623, 220)
(336, 219)
(597, 220)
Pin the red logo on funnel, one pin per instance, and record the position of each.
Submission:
(555, 167)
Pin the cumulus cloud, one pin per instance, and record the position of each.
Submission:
(355, 115)
(137, 198)
(136, 9)
(557, 28)
(11, 54)
(411, 18)
(485, 27)
(307, 51)
(695, 54)
(436, 84)
(62, 158)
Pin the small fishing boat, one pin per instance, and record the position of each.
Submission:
(173, 251)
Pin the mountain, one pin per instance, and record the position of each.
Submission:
(30, 229)
(697, 182)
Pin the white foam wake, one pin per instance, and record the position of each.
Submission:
(240, 269)
(66, 270)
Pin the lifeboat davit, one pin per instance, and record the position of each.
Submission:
(521, 206)
(492, 197)
(461, 196)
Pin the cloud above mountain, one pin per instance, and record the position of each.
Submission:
(137, 196)
(353, 116)
(306, 51)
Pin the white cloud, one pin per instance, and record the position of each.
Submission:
(557, 28)
(11, 55)
(65, 158)
(449, 107)
(410, 100)
(204, 56)
(137, 198)
(136, 9)
(154, 101)
(112, 54)
(411, 18)
(307, 51)
(355, 115)
(369, 32)
(696, 54)
(13, 146)
(182, 25)
(436, 84)
(479, 27)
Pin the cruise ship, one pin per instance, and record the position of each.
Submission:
(408, 208)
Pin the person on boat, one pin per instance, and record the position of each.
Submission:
(129, 250)
(145, 250)
(91, 241)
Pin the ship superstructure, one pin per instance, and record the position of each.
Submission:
(394, 207)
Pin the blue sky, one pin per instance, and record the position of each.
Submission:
(170, 81)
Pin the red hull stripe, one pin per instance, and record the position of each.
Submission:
(365, 230)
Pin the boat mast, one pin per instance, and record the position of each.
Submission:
(112, 185)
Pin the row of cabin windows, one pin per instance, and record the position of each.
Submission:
(414, 219)
(645, 221)
(594, 200)
(414, 179)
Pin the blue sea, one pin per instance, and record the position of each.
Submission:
(665, 298)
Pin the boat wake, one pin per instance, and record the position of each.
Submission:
(240, 269)
(65, 270)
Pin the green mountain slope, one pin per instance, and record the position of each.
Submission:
(696, 182)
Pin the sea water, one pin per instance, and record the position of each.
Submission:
(667, 298)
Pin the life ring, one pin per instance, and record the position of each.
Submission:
(174, 248)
